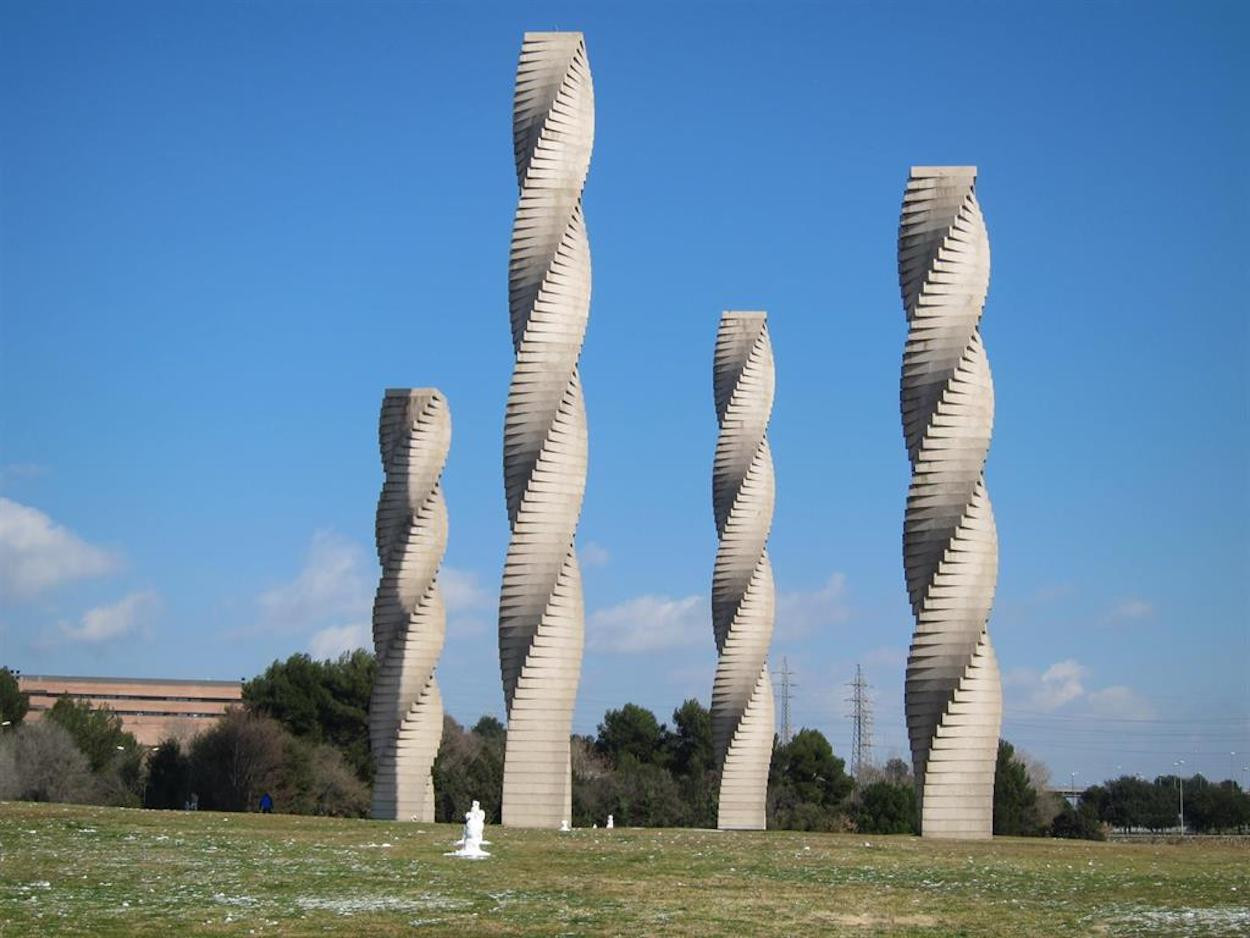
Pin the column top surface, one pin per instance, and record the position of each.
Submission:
(553, 34)
(943, 170)
(412, 392)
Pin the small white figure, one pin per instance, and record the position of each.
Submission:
(594, 826)
(471, 843)
(610, 822)
(564, 826)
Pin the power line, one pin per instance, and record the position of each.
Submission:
(1047, 715)
(787, 689)
(861, 717)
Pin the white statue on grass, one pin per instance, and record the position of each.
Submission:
(474, 827)
(564, 826)
(611, 823)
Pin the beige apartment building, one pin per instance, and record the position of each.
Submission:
(152, 709)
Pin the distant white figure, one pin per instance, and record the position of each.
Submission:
(610, 822)
(564, 826)
(474, 827)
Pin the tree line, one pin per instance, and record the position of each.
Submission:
(302, 736)
(1132, 804)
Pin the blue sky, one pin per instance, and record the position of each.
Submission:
(226, 228)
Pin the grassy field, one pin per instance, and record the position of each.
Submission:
(106, 871)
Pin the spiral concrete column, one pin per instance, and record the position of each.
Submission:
(409, 623)
(953, 695)
(541, 618)
(742, 579)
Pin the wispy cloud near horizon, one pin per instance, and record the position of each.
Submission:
(1131, 609)
(333, 583)
(650, 623)
(1064, 686)
(800, 612)
(330, 598)
(130, 615)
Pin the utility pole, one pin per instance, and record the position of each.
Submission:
(1180, 781)
(861, 718)
(787, 688)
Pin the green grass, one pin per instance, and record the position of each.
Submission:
(106, 871)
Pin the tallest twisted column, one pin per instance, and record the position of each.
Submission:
(541, 620)
(953, 697)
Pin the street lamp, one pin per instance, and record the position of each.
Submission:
(1181, 782)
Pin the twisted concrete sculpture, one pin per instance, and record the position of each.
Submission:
(541, 619)
(953, 697)
(409, 623)
(742, 580)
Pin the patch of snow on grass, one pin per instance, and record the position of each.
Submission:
(1187, 921)
(355, 906)
(223, 899)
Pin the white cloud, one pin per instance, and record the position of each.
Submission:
(331, 598)
(1128, 610)
(594, 554)
(799, 612)
(1064, 685)
(333, 641)
(1120, 702)
(132, 613)
(1061, 683)
(651, 623)
(467, 602)
(37, 554)
(461, 591)
(335, 583)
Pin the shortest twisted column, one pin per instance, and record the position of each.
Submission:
(742, 580)
(409, 623)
